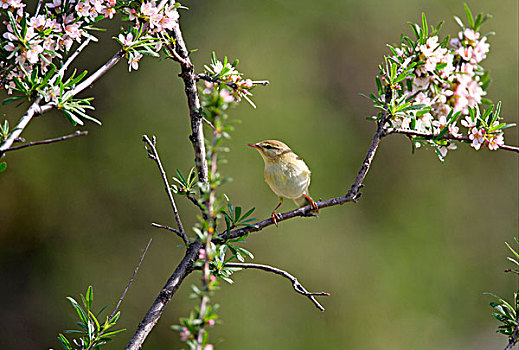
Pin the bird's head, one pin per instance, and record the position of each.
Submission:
(271, 150)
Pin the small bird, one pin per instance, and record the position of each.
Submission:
(286, 173)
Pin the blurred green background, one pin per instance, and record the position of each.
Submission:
(406, 267)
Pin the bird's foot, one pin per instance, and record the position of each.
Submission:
(275, 217)
(312, 203)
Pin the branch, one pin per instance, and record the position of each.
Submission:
(45, 142)
(157, 308)
(99, 73)
(352, 196)
(153, 154)
(31, 112)
(35, 109)
(131, 280)
(193, 101)
(298, 287)
(172, 229)
(444, 137)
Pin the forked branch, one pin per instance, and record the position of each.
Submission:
(298, 287)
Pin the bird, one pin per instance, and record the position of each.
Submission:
(286, 173)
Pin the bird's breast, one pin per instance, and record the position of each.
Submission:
(289, 180)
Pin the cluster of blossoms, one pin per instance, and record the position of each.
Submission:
(155, 18)
(445, 79)
(436, 83)
(227, 83)
(34, 42)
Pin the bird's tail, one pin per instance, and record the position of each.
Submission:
(302, 201)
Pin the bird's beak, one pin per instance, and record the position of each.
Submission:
(254, 145)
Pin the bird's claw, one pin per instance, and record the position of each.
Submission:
(275, 217)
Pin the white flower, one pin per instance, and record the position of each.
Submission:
(468, 122)
(134, 62)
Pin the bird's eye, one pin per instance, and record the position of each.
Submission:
(268, 147)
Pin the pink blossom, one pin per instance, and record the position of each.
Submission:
(443, 149)
(134, 62)
(480, 50)
(226, 95)
(83, 9)
(455, 43)
(470, 34)
(9, 47)
(74, 31)
(201, 254)
(454, 130)
(440, 123)
(54, 4)
(208, 347)
(11, 4)
(477, 137)
(38, 22)
(211, 322)
(212, 278)
(495, 141)
(466, 52)
(128, 41)
(108, 12)
(468, 122)
(32, 54)
(185, 334)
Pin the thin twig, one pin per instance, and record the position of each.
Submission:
(153, 154)
(444, 137)
(131, 280)
(169, 228)
(45, 142)
(298, 287)
(195, 202)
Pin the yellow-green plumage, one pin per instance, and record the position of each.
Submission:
(286, 173)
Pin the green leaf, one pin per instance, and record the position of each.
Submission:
(3, 166)
(425, 28)
(459, 21)
(81, 313)
(64, 342)
(469, 16)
